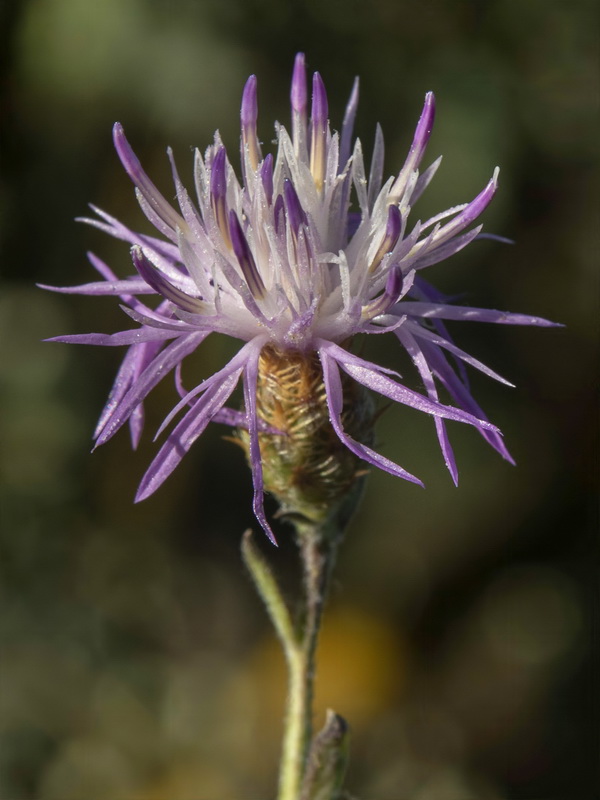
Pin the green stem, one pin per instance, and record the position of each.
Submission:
(317, 555)
(268, 589)
(295, 743)
(293, 757)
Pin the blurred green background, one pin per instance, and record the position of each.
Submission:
(135, 661)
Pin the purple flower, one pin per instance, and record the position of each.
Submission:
(298, 258)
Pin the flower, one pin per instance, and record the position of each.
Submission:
(294, 261)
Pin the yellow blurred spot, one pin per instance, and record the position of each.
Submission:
(361, 669)
(189, 782)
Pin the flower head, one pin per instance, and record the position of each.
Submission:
(295, 260)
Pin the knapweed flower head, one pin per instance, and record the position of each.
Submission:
(295, 260)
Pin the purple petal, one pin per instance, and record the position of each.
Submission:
(164, 250)
(154, 278)
(137, 336)
(433, 253)
(371, 376)
(422, 333)
(120, 386)
(470, 213)
(147, 189)
(109, 276)
(422, 366)
(135, 361)
(348, 125)
(422, 289)
(155, 371)
(424, 180)
(136, 425)
(134, 286)
(250, 382)
(239, 360)
(101, 267)
(445, 374)
(468, 314)
(185, 434)
(495, 238)
(153, 319)
(376, 171)
(335, 403)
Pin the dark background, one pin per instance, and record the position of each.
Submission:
(136, 662)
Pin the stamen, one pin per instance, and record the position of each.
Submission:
(348, 126)
(393, 290)
(299, 103)
(392, 234)
(245, 257)
(294, 209)
(318, 131)
(417, 149)
(266, 176)
(249, 116)
(279, 214)
(153, 277)
(218, 193)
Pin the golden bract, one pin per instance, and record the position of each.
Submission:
(308, 469)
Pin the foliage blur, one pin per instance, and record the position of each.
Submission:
(135, 661)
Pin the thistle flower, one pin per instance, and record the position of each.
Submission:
(294, 261)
